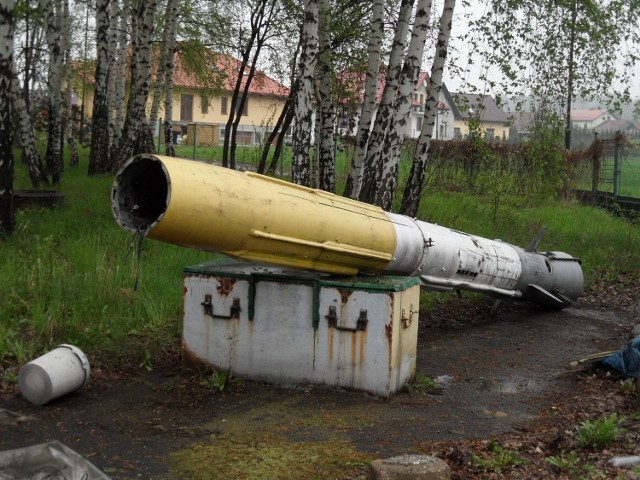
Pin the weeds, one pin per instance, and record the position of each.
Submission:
(568, 463)
(498, 459)
(217, 380)
(422, 384)
(598, 434)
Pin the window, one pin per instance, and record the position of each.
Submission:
(457, 134)
(186, 108)
(489, 134)
(204, 104)
(223, 105)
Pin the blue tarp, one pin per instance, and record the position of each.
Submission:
(627, 360)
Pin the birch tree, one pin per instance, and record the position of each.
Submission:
(7, 217)
(366, 189)
(300, 167)
(26, 135)
(326, 114)
(114, 23)
(388, 177)
(99, 158)
(55, 22)
(120, 68)
(163, 87)
(68, 117)
(415, 183)
(369, 100)
(136, 134)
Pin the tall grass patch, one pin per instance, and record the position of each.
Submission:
(69, 276)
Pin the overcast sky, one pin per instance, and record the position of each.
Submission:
(461, 52)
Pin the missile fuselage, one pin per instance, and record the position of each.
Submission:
(257, 218)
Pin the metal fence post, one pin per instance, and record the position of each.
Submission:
(616, 165)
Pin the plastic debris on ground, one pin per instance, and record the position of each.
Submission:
(47, 461)
(627, 360)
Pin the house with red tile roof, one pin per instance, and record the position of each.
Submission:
(204, 100)
(591, 118)
(207, 102)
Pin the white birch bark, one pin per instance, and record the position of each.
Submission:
(374, 47)
(326, 113)
(68, 118)
(366, 189)
(168, 82)
(52, 14)
(120, 67)
(303, 108)
(413, 189)
(114, 10)
(99, 158)
(136, 133)
(386, 185)
(158, 83)
(7, 216)
(26, 135)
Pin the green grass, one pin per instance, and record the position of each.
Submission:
(68, 274)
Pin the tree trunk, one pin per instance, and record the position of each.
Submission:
(7, 217)
(114, 22)
(68, 118)
(136, 131)
(278, 151)
(300, 171)
(26, 135)
(326, 114)
(415, 183)
(367, 189)
(54, 21)
(168, 81)
(386, 184)
(368, 101)
(100, 160)
(120, 68)
(277, 132)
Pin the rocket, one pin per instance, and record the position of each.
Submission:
(257, 218)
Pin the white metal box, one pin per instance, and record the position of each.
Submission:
(294, 327)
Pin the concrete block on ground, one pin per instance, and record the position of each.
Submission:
(410, 467)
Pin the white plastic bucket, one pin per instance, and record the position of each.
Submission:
(56, 373)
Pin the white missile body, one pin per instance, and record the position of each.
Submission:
(257, 218)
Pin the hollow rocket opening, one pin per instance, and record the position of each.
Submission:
(140, 194)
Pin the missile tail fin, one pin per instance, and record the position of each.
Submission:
(546, 299)
(536, 240)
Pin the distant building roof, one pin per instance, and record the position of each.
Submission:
(226, 69)
(587, 115)
(617, 126)
(469, 105)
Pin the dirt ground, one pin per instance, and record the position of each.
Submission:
(507, 401)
